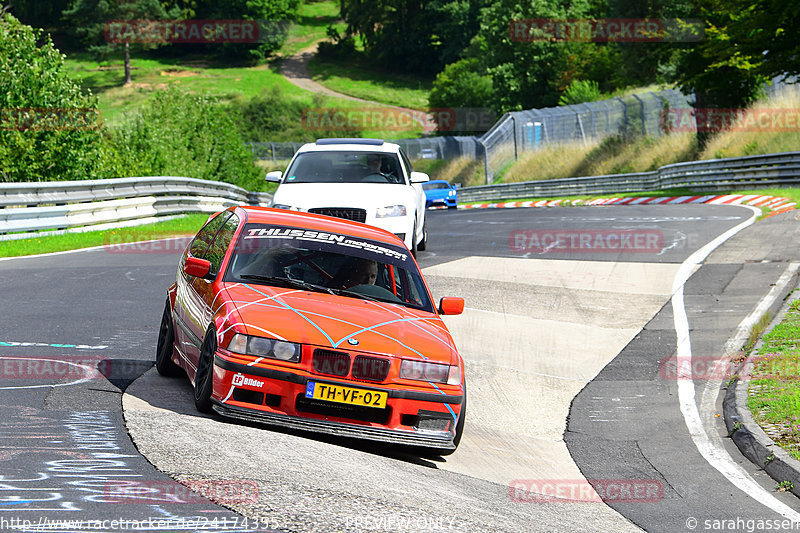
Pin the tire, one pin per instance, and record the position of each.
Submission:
(166, 342)
(454, 206)
(423, 244)
(204, 378)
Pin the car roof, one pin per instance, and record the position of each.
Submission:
(299, 219)
(350, 145)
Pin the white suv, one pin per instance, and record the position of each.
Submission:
(367, 180)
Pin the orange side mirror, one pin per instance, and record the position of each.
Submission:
(450, 305)
(197, 267)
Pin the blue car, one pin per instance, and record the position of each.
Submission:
(439, 192)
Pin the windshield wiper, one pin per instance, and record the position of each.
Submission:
(354, 294)
(288, 282)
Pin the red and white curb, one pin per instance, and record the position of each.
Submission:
(773, 203)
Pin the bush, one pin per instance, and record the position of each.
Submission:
(460, 84)
(48, 127)
(180, 134)
(580, 91)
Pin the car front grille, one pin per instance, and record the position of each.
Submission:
(359, 215)
(370, 368)
(331, 363)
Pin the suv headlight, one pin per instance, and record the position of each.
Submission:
(391, 211)
(263, 347)
(435, 372)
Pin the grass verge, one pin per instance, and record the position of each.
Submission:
(184, 225)
(774, 393)
(355, 77)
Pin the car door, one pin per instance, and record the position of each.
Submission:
(195, 295)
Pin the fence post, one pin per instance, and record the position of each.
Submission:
(485, 161)
(514, 130)
(641, 107)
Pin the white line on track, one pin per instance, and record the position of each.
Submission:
(715, 455)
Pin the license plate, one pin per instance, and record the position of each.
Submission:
(348, 395)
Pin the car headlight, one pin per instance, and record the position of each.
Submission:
(424, 371)
(451, 193)
(391, 211)
(263, 347)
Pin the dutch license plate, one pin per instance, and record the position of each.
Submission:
(348, 395)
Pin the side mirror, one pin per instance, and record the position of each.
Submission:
(199, 268)
(419, 177)
(450, 305)
(274, 176)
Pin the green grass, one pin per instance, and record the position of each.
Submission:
(774, 394)
(355, 77)
(313, 19)
(185, 225)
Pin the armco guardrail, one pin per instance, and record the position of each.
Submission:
(29, 208)
(735, 173)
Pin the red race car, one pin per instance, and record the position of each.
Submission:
(314, 323)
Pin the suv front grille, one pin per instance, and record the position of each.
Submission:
(331, 363)
(359, 215)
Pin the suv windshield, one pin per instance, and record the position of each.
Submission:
(345, 167)
(327, 262)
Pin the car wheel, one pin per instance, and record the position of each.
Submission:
(166, 341)
(423, 244)
(204, 378)
(454, 206)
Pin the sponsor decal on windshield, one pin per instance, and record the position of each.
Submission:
(324, 237)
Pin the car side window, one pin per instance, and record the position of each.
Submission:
(216, 251)
(206, 235)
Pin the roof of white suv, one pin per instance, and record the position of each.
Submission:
(350, 145)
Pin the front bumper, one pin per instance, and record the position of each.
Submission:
(275, 397)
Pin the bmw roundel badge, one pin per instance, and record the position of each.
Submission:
(352, 342)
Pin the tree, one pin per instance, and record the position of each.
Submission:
(48, 127)
(91, 19)
(725, 69)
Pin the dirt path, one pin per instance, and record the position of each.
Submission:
(295, 69)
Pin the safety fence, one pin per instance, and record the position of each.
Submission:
(28, 209)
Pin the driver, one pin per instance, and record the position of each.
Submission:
(374, 163)
(357, 272)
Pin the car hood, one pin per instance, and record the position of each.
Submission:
(356, 195)
(332, 321)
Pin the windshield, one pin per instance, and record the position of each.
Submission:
(433, 186)
(345, 167)
(327, 262)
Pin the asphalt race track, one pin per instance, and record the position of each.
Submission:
(568, 352)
